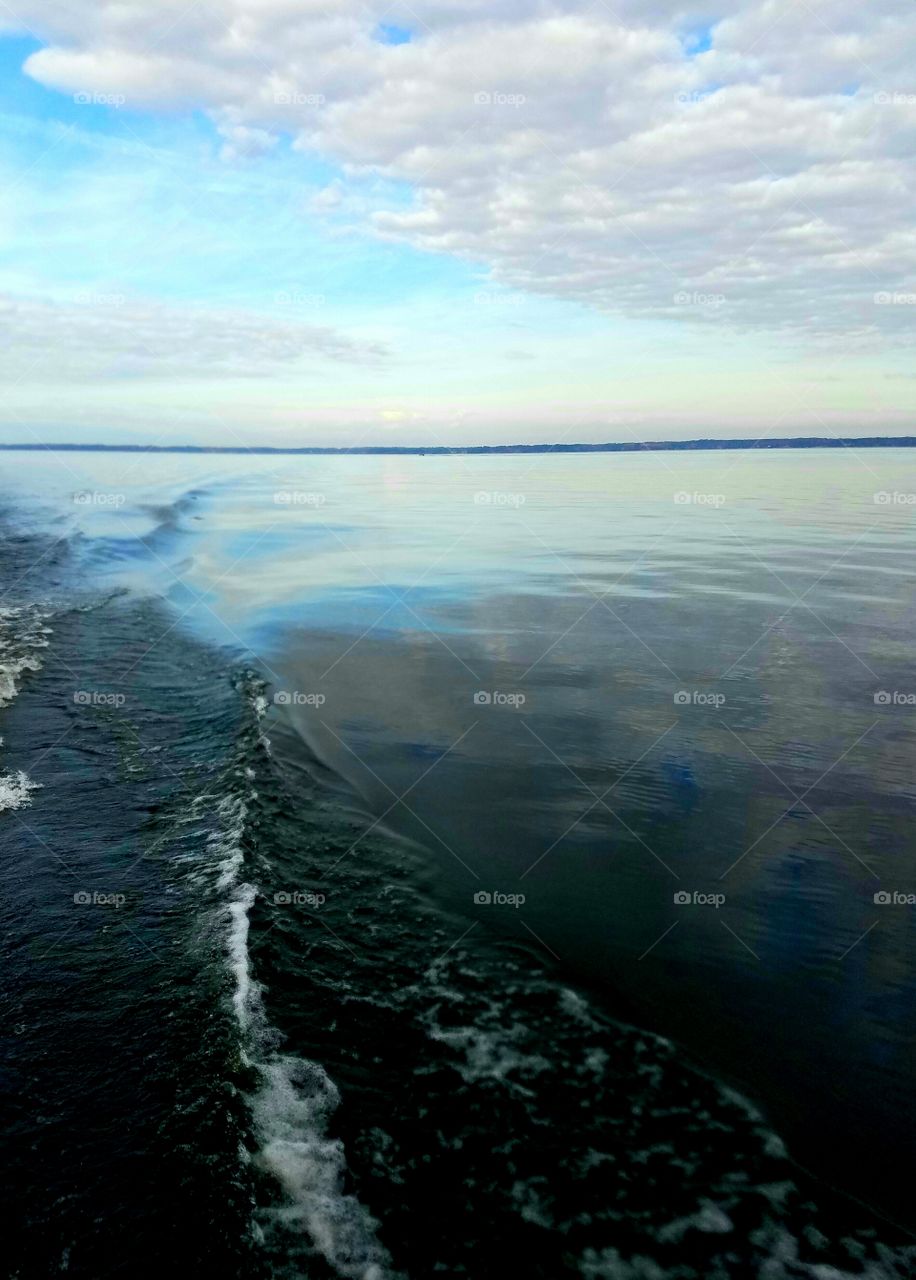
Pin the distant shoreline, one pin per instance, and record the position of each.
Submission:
(650, 446)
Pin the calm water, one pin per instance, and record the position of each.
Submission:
(402, 790)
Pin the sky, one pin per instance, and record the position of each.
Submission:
(328, 222)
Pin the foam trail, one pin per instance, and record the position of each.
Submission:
(22, 636)
(295, 1100)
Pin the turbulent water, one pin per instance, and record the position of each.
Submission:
(22, 638)
(255, 1020)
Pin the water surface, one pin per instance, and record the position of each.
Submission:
(503, 715)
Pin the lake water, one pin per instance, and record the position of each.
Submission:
(460, 865)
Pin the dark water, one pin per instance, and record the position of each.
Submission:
(271, 731)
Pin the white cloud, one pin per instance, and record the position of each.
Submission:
(110, 336)
(244, 143)
(575, 149)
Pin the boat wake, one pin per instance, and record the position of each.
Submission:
(293, 1099)
(23, 637)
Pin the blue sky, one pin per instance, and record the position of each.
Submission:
(201, 271)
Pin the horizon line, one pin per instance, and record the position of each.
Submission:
(784, 442)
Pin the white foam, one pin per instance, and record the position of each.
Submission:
(22, 635)
(490, 1054)
(239, 959)
(295, 1100)
(227, 844)
(15, 791)
(709, 1217)
(292, 1111)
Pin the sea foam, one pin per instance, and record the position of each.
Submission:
(295, 1099)
(23, 635)
(15, 790)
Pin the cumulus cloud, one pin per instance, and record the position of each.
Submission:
(754, 172)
